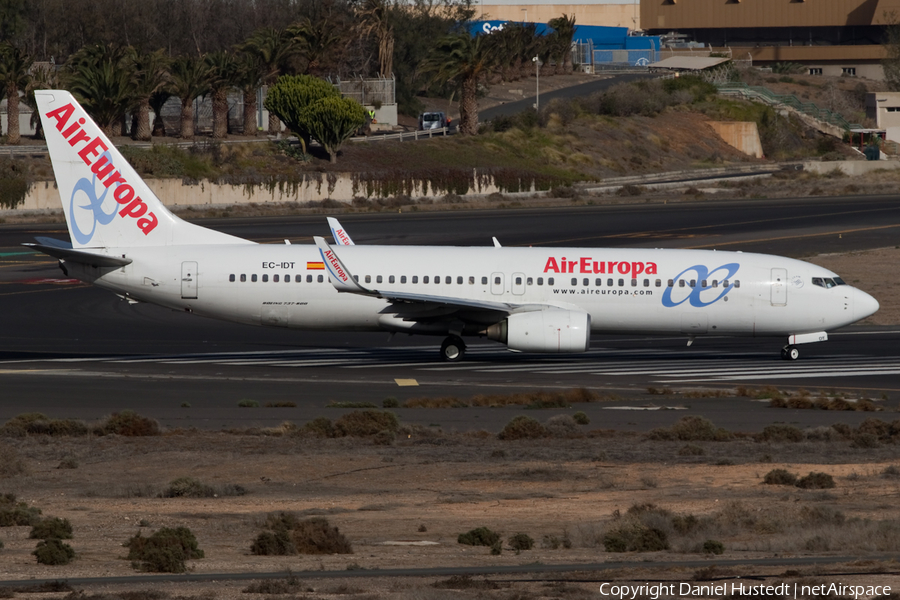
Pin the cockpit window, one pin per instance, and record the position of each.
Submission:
(827, 282)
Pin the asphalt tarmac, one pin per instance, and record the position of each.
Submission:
(70, 350)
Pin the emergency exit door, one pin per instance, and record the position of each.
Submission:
(189, 280)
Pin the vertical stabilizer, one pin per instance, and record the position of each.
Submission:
(106, 203)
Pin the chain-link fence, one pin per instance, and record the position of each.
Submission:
(369, 91)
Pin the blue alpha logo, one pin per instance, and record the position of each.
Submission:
(703, 292)
(85, 217)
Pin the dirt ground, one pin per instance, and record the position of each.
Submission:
(404, 504)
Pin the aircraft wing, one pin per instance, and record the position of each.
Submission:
(416, 305)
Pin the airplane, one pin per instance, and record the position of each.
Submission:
(545, 300)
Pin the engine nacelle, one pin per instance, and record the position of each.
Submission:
(551, 330)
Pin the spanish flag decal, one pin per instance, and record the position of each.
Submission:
(315, 266)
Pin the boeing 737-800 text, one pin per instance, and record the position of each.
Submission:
(531, 299)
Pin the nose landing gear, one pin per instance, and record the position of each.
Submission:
(790, 353)
(453, 349)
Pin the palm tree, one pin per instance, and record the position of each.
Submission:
(190, 79)
(313, 39)
(273, 49)
(14, 66)
(248, 79)
(98, 76)
(158, 99)
(463, 59)
(375, 21)
(222, 74)
(150, 74)
(42, 78)
(564, 32)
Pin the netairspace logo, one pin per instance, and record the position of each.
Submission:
(656, 591)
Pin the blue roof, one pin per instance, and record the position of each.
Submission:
(603, 38)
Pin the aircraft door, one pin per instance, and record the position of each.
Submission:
(518, 283)
(189, 280)
(779, 287)
(497, 287)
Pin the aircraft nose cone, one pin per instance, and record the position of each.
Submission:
(864, 305)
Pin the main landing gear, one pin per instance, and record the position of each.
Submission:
(453, 349)
(790, 353)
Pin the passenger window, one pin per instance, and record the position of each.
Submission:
(368, 279)
(646, 283)
(309, 279)
(609, 282)
(586, 281)
(598, 282)
(265, 278)
(425, 279)
(321, 278)
(550, 281)
(621, 283)
(253, 278)
(715, 283)
(231, 278)
(274, 278)
(703, 283)
(403, 279)
(725, 283)
(448, 280)
(634, 283)
(437, 279)
(484, 281)
(529, 281)
(574, 281)
(459, 280)
(415, 279)
(737, 283)
(356, 278)
(471, 280)
(496, 281)
(287, 278)
(693, 283)
(540, 281)
(658, 283)
(671, 283)
(243, 278)
(391, 279)
(681, 283)
(518, 281)
(378, 279)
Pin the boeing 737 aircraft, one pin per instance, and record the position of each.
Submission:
(532, 299)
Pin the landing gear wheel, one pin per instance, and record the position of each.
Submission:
(790, 353)
(453, 349)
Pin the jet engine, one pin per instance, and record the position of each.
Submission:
(551, 330)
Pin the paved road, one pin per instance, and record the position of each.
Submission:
(71, 350)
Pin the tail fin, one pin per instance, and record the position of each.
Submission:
(106, 202)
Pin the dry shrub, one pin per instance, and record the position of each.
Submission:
(691, 450)
(523, 427)
(780, 433)
(287, 585)
(521, 541)
(165, 551)
(563, 426)
(53, 552)
(465, 582)
(320, 427)
(363, 423)
(13, 514)
(127, 423)
(187, 487)
(480, 536)
(816, 481)
(39, 424)
(316, 536)
(780, 477)
(691, 429)
(11, 463)
(51, 528)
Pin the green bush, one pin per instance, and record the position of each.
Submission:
(713, 547)
(128, 423)
(39, 424)
(165, 551)
(523, 428)
(316, 536)
(521, 541)
(53, 552)
(51, 528)
(390, 403)
(17, 514)
(320, 427)
(816, 481)
(480, 536)
(187, 487)
(363, 423)
(581, 418)
(685, 524)
(780, 477)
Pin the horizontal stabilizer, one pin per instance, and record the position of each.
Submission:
(81, 256)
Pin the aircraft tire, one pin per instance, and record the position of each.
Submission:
(453, 349)
(790, 353)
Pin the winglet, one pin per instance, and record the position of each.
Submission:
(340, 277)
(340, 234)
(496, 242)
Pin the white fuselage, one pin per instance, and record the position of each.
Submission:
(623, 290)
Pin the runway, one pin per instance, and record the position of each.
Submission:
(70, 350)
